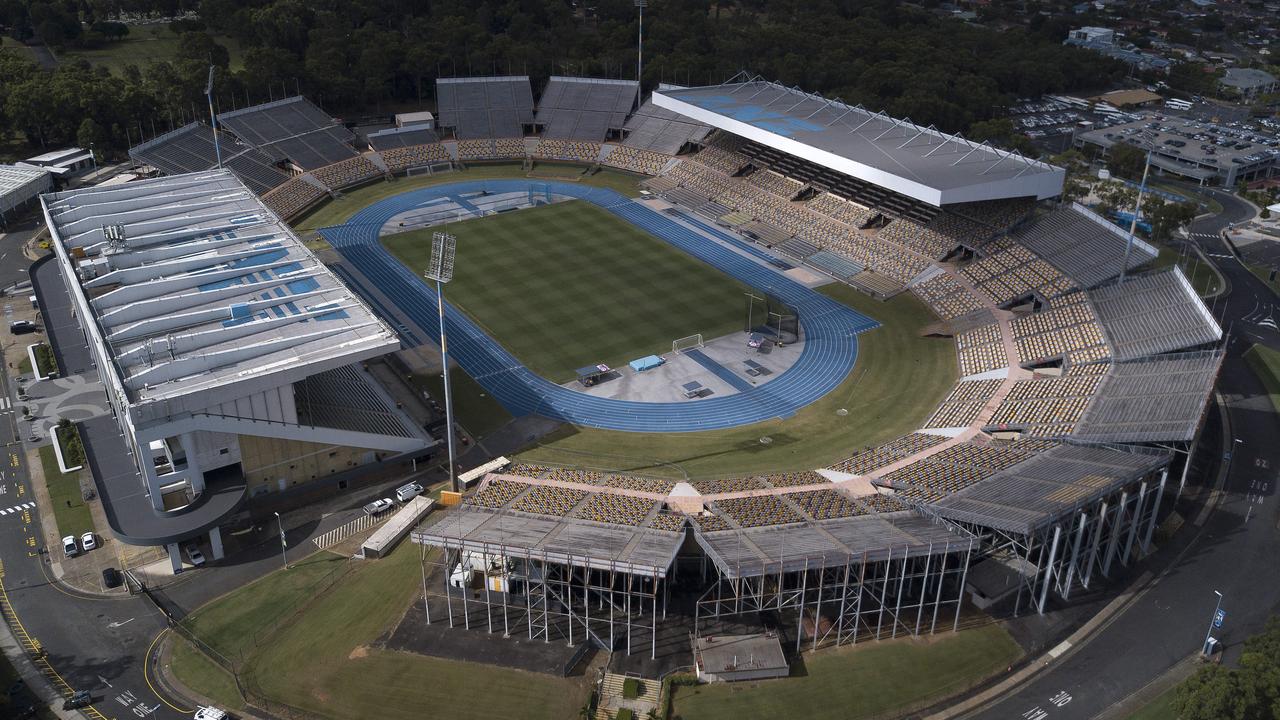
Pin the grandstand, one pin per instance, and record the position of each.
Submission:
(1084, 246)
(190, 149)
(1159, 399)
(1154, 313)
(402, 137)
(478, 108)
(292, 130)
(660, 130)
(584, 109)
(230, 353)
(920, 163)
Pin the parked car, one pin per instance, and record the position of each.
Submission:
(210, 713)
(69, 547)
(78, 699)
(194, 556)
(405, 493)
(88, 541)
(110, 577)
(377, 507)
(22, 327)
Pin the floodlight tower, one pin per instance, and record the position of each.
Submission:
(1137, 206)
(640, 5)
(213, 119)
(440, 268)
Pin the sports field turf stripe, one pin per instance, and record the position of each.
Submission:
(830, 328)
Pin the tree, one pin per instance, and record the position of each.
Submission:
(1168, 218)
(1126, 161)
(1113, 195)
(1249, 692)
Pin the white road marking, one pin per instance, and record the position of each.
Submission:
(1060, 648)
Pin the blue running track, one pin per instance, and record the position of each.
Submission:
(830, 329)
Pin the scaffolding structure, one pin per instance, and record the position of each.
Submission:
(837, 600)
(553, 594)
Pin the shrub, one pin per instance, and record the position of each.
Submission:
(46, 364)
(631, 688)
(72, 448)
(625, 714)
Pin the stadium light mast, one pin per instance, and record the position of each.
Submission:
(1137, 205)
(440, 268)
(640, 5)
(213, 119)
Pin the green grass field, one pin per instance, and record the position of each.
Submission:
(326, 659)
(1202, 277)
(862, 681)
(567, 285)
(899, 378)
(1159, 709)
(1266, 365)
(144, 45)
(69, 510)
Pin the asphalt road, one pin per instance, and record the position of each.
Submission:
(1235, 554)
(93, 644)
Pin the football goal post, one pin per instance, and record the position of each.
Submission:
(691, 342)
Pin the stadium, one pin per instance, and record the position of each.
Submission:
(1068, 418)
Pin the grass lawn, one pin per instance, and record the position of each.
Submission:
(338, 211)
(899, 378)
(1266, 365)
(1159, 709)
(143, 45)
(24, 367)
(215, 683)
(69, 510)
(324, 660)
(233, 624)
(1264, 274)
(473, 407)
(861, 681)
(1202, 277)
(567, 285)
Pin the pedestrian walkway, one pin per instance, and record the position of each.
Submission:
(719, 370)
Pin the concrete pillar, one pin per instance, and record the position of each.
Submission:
(215, 543)
(195, 475)
(175, 560)
(152, 484)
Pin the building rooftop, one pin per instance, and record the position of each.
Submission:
(1188, 146)
(205, 290)
(921, 163)
(13, 177)
(1246, 78)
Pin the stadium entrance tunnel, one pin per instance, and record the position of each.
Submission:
(830, 329)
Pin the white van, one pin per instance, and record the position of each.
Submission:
(405, 493)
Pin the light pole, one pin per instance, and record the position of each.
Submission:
(1204, 649)
(1133, 223)
(283, 545)
(640, 5)
(444, 248)
(213, 120)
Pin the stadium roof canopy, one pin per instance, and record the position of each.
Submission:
(202, 292)
(1045, 487)
(21, 183)
(921, 163)
(571, 541)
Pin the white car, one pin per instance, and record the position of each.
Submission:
(405, 493)
(88, 541)
(69, 547)
(377, 507)
(194, 555)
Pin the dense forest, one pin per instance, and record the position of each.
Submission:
(353, 55)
